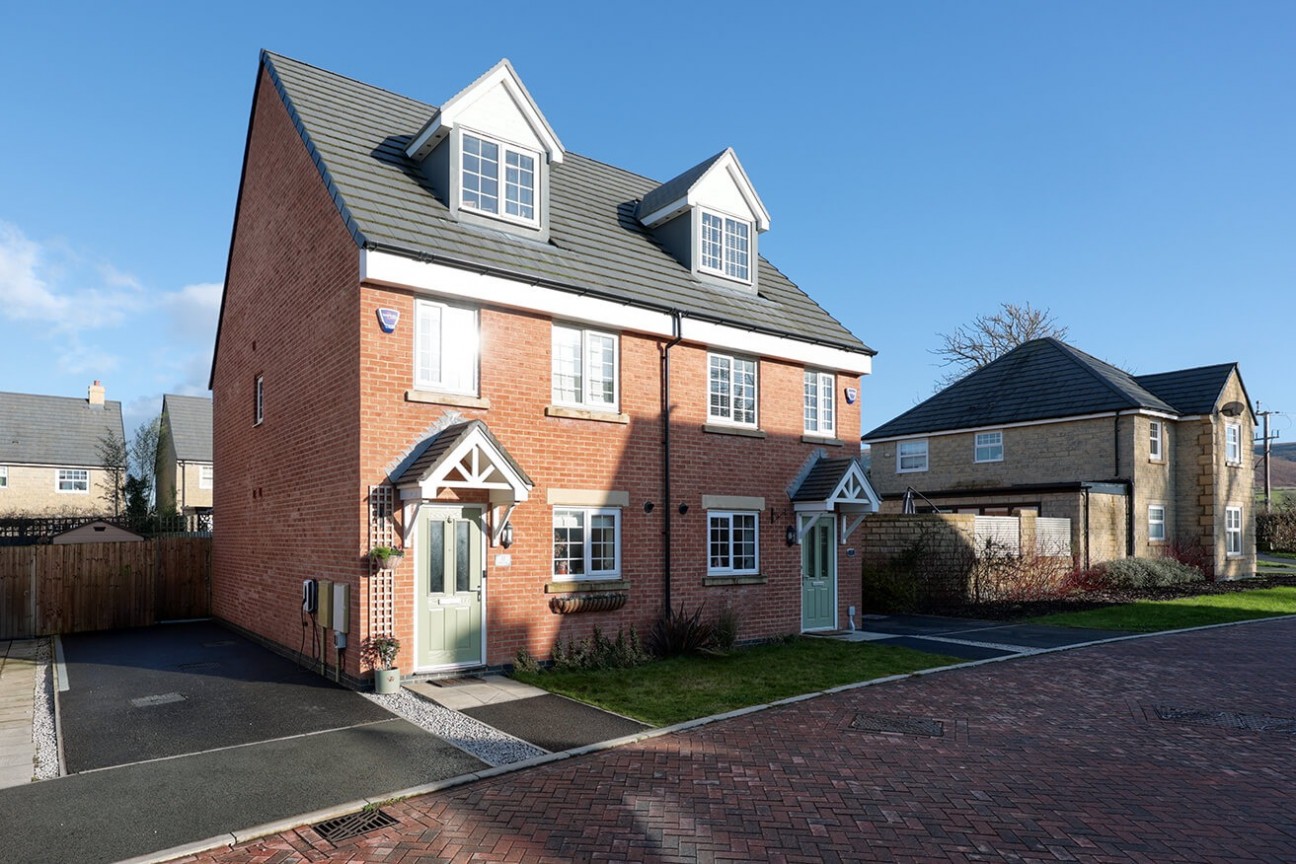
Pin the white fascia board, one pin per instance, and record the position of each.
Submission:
(385, 268)
(504, 73)
(920, 435)
(432, 130)
(1148, 412)
(729, 161)
(661, 215)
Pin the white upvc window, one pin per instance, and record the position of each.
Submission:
(258, 400)
(911, 456)
(725, 246)
(73, 480)
(498, 179)
(204, 476)
(1233, 443)
(1156, 523)
(733, 543)
(585, 368)
(1156, 448)
(587, 542)
(988, 447)
(731, 395)
(820, 418)
(445, 348)
(4, 476)
(1233, 531)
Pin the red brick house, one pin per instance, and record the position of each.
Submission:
(574, 395)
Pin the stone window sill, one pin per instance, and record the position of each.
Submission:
(431, 397)
(827, 442)
(744, 431)
(749, 579)
(585, 586)
(586, 414)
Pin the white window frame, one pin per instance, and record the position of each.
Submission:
(77, 480)
(501, 179)
(820, 408)
(729, 419)
(1156, 441)
(988, 441)
(727, 518)
(729, 253)
(205, 476)
(258, 400)
(1233, 443)
(1156, 520)
(4, 476)
(586, 397)
(449, 339)
(901, 455)
(1233, 532)
(587, 547)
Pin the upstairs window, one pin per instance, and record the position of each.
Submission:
(204, 476)
(732, 390)
(74, 480)
(1155, 450)
(584, 368)
(911, 456)
(258, 400)
(819, 389)
(445, 348)
(498, 179)
(733, 543)
(725, 246)
(1233, 443)
(988, 447)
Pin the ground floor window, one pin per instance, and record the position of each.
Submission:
(587, 542)
(1156, 522)
(73, 480)
(733, 543)
(1233, 530)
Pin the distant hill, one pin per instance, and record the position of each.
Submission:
(1282, 471)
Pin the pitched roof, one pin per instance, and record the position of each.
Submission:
(676, 187)
(823, 479)
(1043, 379)
(55, 430)
(357, 134)
(1191, 391)
(429, 453)
(190, 418)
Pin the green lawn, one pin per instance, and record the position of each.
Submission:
(683, 688)
(1153, 615)
(1291, 555)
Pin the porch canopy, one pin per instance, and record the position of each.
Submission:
(834, 486)
(464, 456)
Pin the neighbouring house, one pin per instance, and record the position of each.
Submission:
(51, 453)
(575, 396)
(96, 531)
(184, 458)
(1142, 465)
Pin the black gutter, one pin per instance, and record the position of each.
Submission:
(666, 464)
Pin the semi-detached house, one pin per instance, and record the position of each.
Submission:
(575, 396)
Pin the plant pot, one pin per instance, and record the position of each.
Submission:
(388, 563)
(386, 681)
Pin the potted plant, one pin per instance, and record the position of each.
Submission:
(386, 557)
(380, 653)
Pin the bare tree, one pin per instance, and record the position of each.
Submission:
(144, 454)
(113, 456)
(989, 337)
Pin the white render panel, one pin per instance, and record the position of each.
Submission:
(384, 268)
(718, 190)
(495, 113)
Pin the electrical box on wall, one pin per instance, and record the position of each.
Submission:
(324, 617)
(310, 596)
(341, 609)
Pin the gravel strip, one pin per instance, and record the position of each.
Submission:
(488, 744)
(44, 733)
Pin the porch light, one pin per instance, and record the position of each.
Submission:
(506, 536)
(791, 535)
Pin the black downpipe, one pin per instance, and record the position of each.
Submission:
(1086, 528)
(666, 463)
(1129, 494)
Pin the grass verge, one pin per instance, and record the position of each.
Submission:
(684, 688)
(1147, 616)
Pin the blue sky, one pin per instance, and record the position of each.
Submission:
(1130, 166)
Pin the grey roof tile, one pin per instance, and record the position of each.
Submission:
(822, 479)
(55, 430)
(1191, 391)
(190, 419)
(676, 187)
(357, 134)
(428, 453)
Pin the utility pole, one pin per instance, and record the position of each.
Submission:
(1267, 438)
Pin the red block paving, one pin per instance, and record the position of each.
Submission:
(1059, 757)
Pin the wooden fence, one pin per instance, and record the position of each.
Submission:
(101, 586)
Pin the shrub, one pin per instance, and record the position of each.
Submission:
(597, 651)
(677, 633)
(726, 629)
(1149, 573)
(1276, 530)
(524, 662)
(1000, 575)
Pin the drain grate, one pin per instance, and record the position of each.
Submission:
(892, 725)
(353, 825)
(1227, 719)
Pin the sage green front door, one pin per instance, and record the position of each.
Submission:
(449, 587)
(819, 576)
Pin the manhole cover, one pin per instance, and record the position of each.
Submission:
(353, 825)
(199, 667)
(160, 699)
(1227, 719)
(887, 724)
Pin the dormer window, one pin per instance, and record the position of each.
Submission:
(725, 246)
(491, 166)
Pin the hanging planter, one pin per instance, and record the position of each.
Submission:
(608, 602)
(386, 557)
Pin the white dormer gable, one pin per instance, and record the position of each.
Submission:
(496, 104)
(720, 183)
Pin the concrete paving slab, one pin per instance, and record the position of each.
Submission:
(949, 647)
(489, 690)
(555, 722)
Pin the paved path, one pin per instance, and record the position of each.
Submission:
(1051, 757)
(17, 689)
(969, 638)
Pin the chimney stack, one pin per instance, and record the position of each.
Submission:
(96, 395)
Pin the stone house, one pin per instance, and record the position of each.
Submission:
(1141, 465)
(183, 468)
(51, 462)
(573, 395)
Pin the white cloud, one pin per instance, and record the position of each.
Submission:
(23, 293)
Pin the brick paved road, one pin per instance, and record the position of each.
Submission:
(1052, 758)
